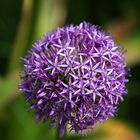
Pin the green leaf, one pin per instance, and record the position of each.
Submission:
(23, 126)
(132, 45)
(8, 88)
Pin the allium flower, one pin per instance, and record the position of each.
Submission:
(75, 75)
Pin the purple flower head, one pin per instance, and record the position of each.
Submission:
(75, 75)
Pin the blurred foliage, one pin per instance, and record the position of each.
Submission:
(24, 21)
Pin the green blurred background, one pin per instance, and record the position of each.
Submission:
(24, 21)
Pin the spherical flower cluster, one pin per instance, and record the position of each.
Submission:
(75, 75)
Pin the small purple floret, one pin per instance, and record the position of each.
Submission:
(75, 75)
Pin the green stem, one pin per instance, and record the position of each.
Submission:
(22, 35)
